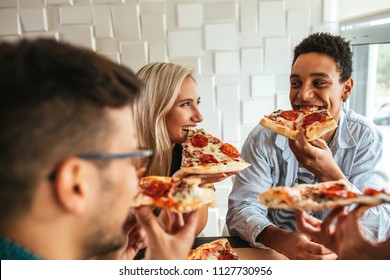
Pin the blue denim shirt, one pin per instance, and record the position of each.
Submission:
(356, 148)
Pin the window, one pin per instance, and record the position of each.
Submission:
(370, 40)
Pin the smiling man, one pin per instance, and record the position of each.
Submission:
(320, 78)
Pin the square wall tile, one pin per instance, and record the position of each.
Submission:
(59, 2)
(263, 85)
(252, 61)
(103, 21)
(153, 27)
(298, 25)
(108, 1)
(8, 4)
(34, 19)
(157, 52)
(254, 109)
(9, 22)
(249, 14)
(221, 36)
(283, 82)
(185, 43)
(212, 121)
(79, 35)
(115, 57)
(189, 61)
(283, 101)
(76, 15)
(277, 55)
(272, 18)
(298, 4)
(126, 22)
(49, 35)
(207, 63)
(29, 3)
(316, 12)
(189, 15)
(206, 90)
(152, 8)
(227, 62)
(228, 100)
(134, 54)
(227, 79)
(107, 45)
(220, 11)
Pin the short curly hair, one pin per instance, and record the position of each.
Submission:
(334, 46)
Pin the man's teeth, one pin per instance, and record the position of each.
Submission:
(311, 108)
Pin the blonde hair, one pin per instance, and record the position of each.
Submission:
(162, 82)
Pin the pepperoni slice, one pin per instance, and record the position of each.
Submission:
(337, 191)
(199, 141)
(207, 158)
(290, 115)
(315, 117)
(370, 191)
(229, 150)
(157, 190)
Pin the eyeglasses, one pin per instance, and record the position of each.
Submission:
(140, 159)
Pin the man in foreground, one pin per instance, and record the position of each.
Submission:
(69, 158)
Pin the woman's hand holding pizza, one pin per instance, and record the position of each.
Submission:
(316, 157)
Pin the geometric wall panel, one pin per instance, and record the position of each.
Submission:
(221, 36)
(272, 18)
(33, 19)
(9, 22)
(193, 45)
(190, 15)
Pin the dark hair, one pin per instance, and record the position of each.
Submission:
(334, 46)
(53, 101)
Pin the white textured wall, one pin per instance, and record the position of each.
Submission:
(241, 50)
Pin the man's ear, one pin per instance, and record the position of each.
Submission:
(72, 184)
(348, 85)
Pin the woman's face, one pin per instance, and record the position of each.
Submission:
(184, 113)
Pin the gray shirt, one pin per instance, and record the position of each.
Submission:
(356, 148)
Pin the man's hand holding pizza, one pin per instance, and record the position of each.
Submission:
(163, 245)
(316, 157)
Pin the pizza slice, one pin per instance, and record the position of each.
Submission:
(204, 153)
(320, 197)
(289, 123)
(219, 249)
(174, 194)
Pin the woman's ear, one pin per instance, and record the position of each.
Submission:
(72, 184)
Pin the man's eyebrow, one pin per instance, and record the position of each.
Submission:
(319, 74)
(315, 74)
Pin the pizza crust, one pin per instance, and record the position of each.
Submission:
(279, 129)
(315, 131)
(213, 168)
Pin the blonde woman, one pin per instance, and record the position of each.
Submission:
(167, 108)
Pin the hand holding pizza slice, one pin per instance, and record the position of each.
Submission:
(289, 123)
(204, 153)
(173, 194)
(320, 197)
